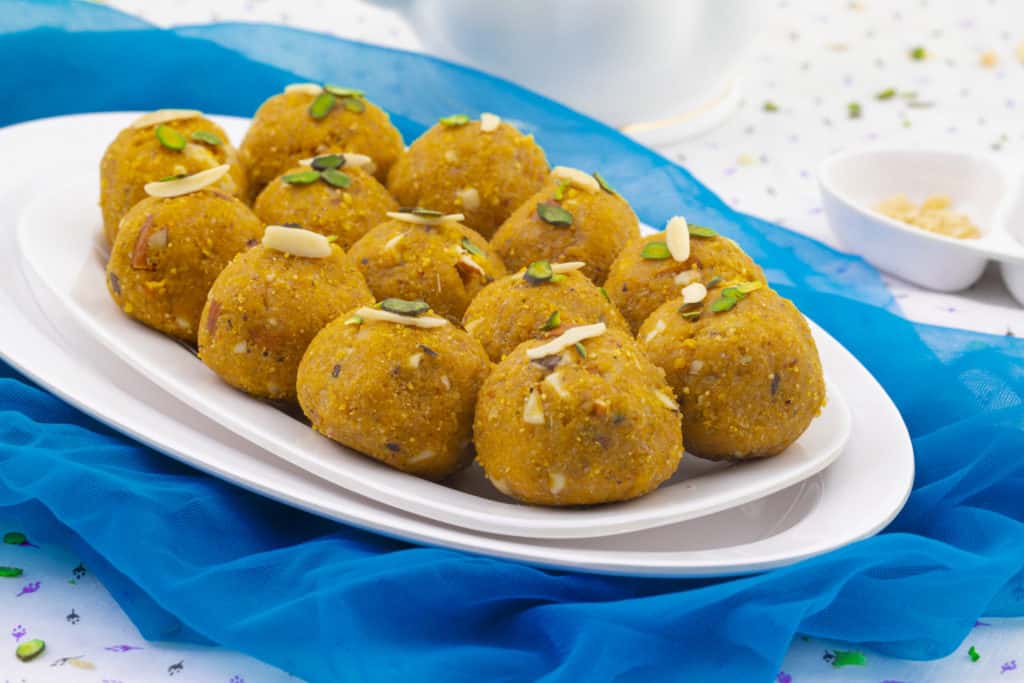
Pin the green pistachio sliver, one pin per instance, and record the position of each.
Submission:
(553, 214)
(538, 272)
(353, 104)
(454, 121)
(604, 293)
(655, 251)
(425, 213)
(690, 315)
(700, 231)
(335, 178)
(343, 92)
(332, 238)
(471, 248)
(722, 304)
(207, 137)
(15, 538)
(560, 190)
(167, 179)
(327, 161)
(10, 572)
(403, 307)
(322, 105)
(170, 138)
(748, 287)
(557, 277)
(604, 183)
(580, 349)
(553, 321)
(714, 282)
(354, 320)
(886, 94)
(30, 649)
(301, 178)
(733, 293)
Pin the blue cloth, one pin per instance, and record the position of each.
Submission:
(190, 557)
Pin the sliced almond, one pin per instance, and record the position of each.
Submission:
(240, 347)
(306, 88)
(658, 329)
(686, 277)
(367, 313)
(163, 116)
(450, 156)
(467, 262)
(666, 400)
(568, 338)
(555, 381)
(415, 360)
(420, 457)
(489, 122)
(469, 198)
(567, 267)
(186, 185)
(533, 409)
(390, 244)
(694, 293)
(296, 241)
(576, 178)
(426, 220)
(677, 238)
(472, 325)
(556, 482)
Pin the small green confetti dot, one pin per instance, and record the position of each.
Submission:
(770, 106)
(886, 94)
(849, 658)
(853, 110)
(30, 649)
(15, 538)
(973, 654)
(10, 572)
(918, 53)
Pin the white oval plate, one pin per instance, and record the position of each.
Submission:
(853, 499)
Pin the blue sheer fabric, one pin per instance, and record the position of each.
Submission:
(192, 558)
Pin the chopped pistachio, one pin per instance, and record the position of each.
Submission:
(425, 213)
(553, 214)
(301, 178)
(557, 277)
(580, 349)
(655, 251)
(604, 293)
(170, 138)
(322, 163)
(701, 231)
(454, 121)
(690, 312)
(560, 190)
(604, 183)
(748, 287)
(471, 248)
(538, 272)
(354, 320)
(177, 176)
(322, 105)
(403, 307)
(353, 104)
(886, 94)
(343, 92)
(336, 178)
(723, 303)
(207, 137)
(332, 239)
(714, 282)
(553, 321)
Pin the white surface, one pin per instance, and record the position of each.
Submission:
(853, 183)
(76, 274)
(821, 513)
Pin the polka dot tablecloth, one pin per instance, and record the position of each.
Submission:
(810, 85)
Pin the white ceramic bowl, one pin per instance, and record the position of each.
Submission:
(1013, 222)
(852, 183)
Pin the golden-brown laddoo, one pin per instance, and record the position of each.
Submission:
(482, 169)
(434, 259)
(169, 251)
(573, 218)
(305, 121)
(645, 275)
(591, 423)
(167, 142)
(744, 368)
(400, 393)
(266, 306)
(344, 200)
(524, 306)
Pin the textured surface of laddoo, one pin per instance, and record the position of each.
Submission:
(347, 213)
(511, 310)
(604, 432)
(749, 379)
(264, 309)
(602, 224)
(461, 169)
(445, 265)
(638, 285)
(136, 157)
(283, 132)
(169, 251)
(402, 395)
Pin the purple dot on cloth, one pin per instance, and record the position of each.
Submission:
(804, 173)
(815, 210)
(730, 171)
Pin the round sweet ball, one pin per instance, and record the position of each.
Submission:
(482, 169)
(575, 217)
(169, 251)
(161, 144)
(533, 303)
(266, 306)
(432, 258)
(743, 366)
(397, 383)
(331, 196)
(645, 275)
(308, 120)
(567, 422)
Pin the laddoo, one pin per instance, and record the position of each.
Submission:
(646, 274)
(172, 246)
(579, 419)
(483, 169)
(422, 254)
(307, 120)
(540, 299)
(743, 366)
(336, 194)
(397, 383)
(574, 217)
(164, 143)
(269, 302)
